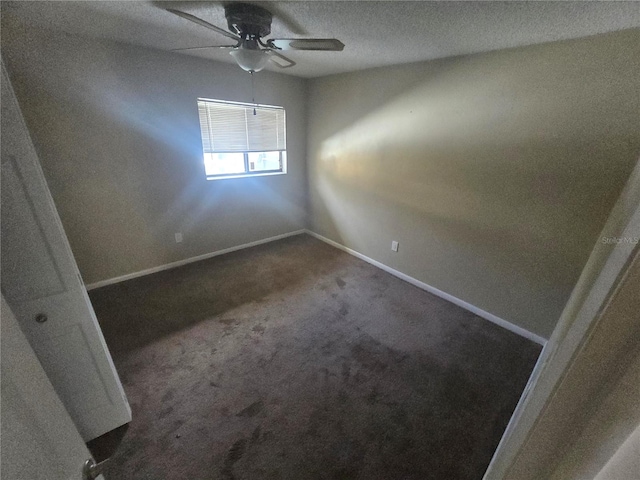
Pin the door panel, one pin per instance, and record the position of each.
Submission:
(68, 358)
(38, 439)
(24, 246)
(42, 284)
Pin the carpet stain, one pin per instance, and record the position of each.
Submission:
(341, 283)
(346, 371)
(252, 410)
(368, 358)
(235, 453)
(258, 329)
(373, 396)
(165, 412)
(167, 397)
(255, 436)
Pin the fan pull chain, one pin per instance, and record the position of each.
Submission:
(253, 93)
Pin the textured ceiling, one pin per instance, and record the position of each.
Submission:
(375, 33)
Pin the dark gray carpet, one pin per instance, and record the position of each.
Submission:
(294, 360)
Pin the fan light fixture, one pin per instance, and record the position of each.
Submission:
(248, 25)
(249, 59)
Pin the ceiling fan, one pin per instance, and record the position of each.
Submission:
(248, 25)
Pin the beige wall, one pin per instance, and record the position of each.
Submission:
(495, 172)
(116, 130)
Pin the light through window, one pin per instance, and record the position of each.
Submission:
(237, 143)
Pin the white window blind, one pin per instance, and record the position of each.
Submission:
(232, 127)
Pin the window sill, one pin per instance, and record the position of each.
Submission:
(245, 175)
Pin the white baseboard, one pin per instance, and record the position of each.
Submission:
(179, 263)
(424, 286)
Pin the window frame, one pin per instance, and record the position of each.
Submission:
(247, 172)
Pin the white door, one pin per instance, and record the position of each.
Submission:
(43, 287)
(38, 439)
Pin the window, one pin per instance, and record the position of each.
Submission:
(242, 139)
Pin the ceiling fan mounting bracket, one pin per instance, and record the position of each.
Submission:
(247, 20)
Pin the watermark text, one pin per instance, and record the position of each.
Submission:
(620, 240)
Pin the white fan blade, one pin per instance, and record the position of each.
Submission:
(323, 44)
(204, 23)
(201, 48)
(280, 60)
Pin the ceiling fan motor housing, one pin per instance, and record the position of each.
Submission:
(248, 21)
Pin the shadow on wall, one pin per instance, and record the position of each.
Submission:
(514, 156)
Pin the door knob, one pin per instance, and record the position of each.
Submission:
(91, 470)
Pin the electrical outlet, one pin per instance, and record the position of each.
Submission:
(179, 237)
(394, 246)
